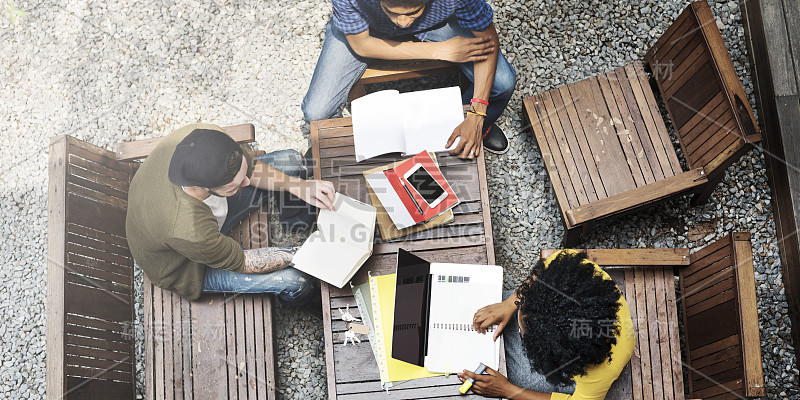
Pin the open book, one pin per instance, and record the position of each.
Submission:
(341, 243)
(389, 122)
(434, 306)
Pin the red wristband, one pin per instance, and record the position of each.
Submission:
(477, 100)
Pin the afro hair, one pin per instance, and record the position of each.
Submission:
(570, 315)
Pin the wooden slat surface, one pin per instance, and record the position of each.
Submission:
(134, 150)
(717, 332)
(90, 274)
(693, 69)
(602, 137)
(773, 40)
(352, 371)
(221, 345)
(658, 365)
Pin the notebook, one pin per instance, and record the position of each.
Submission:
(388, 121)
(434, 306)
(341, 243)
(381, 298)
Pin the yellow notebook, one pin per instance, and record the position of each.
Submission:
(382, 289)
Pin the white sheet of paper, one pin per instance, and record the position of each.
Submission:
(431, 117)
(452, 344)
(390, 200)
(377, 124)
(352, 223)
(331, 262)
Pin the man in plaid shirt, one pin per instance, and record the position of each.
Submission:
(459, 31)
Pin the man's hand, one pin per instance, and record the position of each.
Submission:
(463, 49)
(494, 314)
(470, 132)
(492, 385)
(316, 193)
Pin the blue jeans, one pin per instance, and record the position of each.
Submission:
(339, 68)
(290, 285)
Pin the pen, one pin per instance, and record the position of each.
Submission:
(412, 197)
(468, 383)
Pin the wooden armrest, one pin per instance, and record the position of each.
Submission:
(637, 197)
(632, 257)
(748, 310)
(129, 151)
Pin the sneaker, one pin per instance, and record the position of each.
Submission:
(494, 140)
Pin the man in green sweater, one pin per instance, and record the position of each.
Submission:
(195, 186)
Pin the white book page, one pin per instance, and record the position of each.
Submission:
(453, 345)
(329, 261)
(353, 223)
(341, 243)
(377, 124)
(429, 118)
(390, 200)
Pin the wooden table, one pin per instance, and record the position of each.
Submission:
(352, 370)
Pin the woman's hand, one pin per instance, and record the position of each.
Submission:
(492, 385)
(317, 193)
(494, 314)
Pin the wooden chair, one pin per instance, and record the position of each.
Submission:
(221, 346)
(720, 318)
(391, 70)
(605, 144)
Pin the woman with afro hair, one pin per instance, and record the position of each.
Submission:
(574, 338)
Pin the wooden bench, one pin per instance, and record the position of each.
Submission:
(393, 70)
(352, 370)
(720, 319)
(221, 346)
(606, 147)
(772, 41)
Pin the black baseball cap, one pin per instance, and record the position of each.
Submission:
(201, 159)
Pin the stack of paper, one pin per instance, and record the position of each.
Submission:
(386, 227)
(379, 293)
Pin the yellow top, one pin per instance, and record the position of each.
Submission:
(598, 379)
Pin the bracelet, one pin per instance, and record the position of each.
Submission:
(478, 113)
(477, 100)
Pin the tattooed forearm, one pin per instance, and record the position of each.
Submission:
(267, 259)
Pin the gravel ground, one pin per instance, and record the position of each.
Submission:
(107, 72)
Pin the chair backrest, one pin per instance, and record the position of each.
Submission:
(701, 91)
(723, 350)
(138, 149)
(90, 299)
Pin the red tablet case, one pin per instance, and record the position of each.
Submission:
(396, 174)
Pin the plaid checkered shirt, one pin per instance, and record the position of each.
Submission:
(355, 16)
